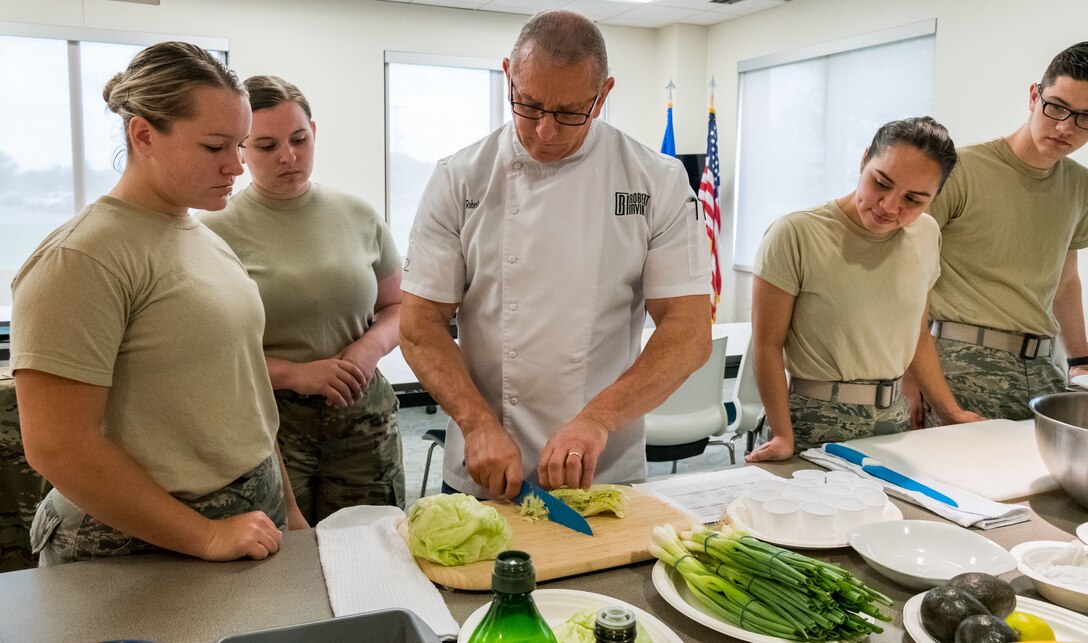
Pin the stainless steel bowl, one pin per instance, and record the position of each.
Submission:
(1060, 431)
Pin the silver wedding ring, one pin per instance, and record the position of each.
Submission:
(575, 453)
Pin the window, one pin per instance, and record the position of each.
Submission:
(435, 105)
(58, 142)
(806, 117)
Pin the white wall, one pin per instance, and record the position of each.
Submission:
(334, 51)
(988, 54)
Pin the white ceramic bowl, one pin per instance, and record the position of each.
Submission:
(1030, 554)
(921, 554)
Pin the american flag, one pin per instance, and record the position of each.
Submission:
(708, 197)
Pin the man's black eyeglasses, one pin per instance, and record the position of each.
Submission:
(1061, 113)
(537, 113)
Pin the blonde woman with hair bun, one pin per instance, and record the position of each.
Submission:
(136, 345)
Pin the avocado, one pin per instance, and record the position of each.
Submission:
(985, 628)
(997, 595)
(944, 608)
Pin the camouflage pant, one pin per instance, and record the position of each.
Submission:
(993, 383)
(20, 488)
(816, 422)
(64, 533)
(342, 457)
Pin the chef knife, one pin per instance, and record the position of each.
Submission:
(558, 511)
(877, 469)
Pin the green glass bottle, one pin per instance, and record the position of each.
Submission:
(513, 615)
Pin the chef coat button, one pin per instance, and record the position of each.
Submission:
(512, 354)
(514, 210)
(513, 306)
(512, 259)
(517, 166)
(514, 401)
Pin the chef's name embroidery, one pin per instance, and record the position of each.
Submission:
(631, 203)
(471, 205)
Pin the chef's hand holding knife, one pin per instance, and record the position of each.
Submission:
(492, 457)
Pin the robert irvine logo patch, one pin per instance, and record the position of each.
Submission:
(631, 203)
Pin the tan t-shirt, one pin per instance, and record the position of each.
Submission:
(860, 295)
(317, 260)
(160, 310)
(1006, 228)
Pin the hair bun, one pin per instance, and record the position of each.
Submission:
(107, 91)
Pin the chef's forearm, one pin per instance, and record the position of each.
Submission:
(437, 362)
(678, 346)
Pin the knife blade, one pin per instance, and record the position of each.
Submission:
(876, 468)
(558, 511)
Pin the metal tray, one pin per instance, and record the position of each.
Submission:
(392, 626)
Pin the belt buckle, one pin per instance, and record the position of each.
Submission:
(1031, 344)
(886, 393)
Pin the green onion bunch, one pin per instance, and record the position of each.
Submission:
(769, 590)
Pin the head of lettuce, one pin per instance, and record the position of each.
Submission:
(456, 529)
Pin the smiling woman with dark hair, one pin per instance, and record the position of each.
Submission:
(841, 291)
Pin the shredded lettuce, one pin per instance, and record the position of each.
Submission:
(533, 509)
(598, 499)
(456, 529)
(579, 628)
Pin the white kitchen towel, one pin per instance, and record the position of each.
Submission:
(368, 567)
(973, 510)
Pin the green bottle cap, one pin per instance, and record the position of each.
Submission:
(513, 573)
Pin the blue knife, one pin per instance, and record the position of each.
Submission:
(558, 511)
(875, 468)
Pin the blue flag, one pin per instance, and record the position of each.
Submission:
(668, 144)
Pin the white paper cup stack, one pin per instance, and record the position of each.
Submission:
(814, 505)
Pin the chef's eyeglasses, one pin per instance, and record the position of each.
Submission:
(563, 118)
(1061, 113)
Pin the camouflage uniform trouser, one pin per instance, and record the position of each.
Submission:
(816, 422)
(993, 383)
(340, 458)
(64, 533)
(20, 488)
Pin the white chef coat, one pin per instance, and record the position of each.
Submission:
(551, 264)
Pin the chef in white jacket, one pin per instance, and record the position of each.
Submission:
(550, 239)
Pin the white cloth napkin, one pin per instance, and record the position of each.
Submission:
(368, 567)
(973, 510)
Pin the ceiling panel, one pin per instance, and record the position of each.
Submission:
(453, 4)
(749, 6)
(651, 16)
(600, 10)
(707, 18)
(529, 7)
(655, 14)
(697, 5)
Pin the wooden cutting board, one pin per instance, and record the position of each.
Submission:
(996, 459)
(558, 552)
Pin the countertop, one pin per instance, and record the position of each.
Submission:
(164, 597)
